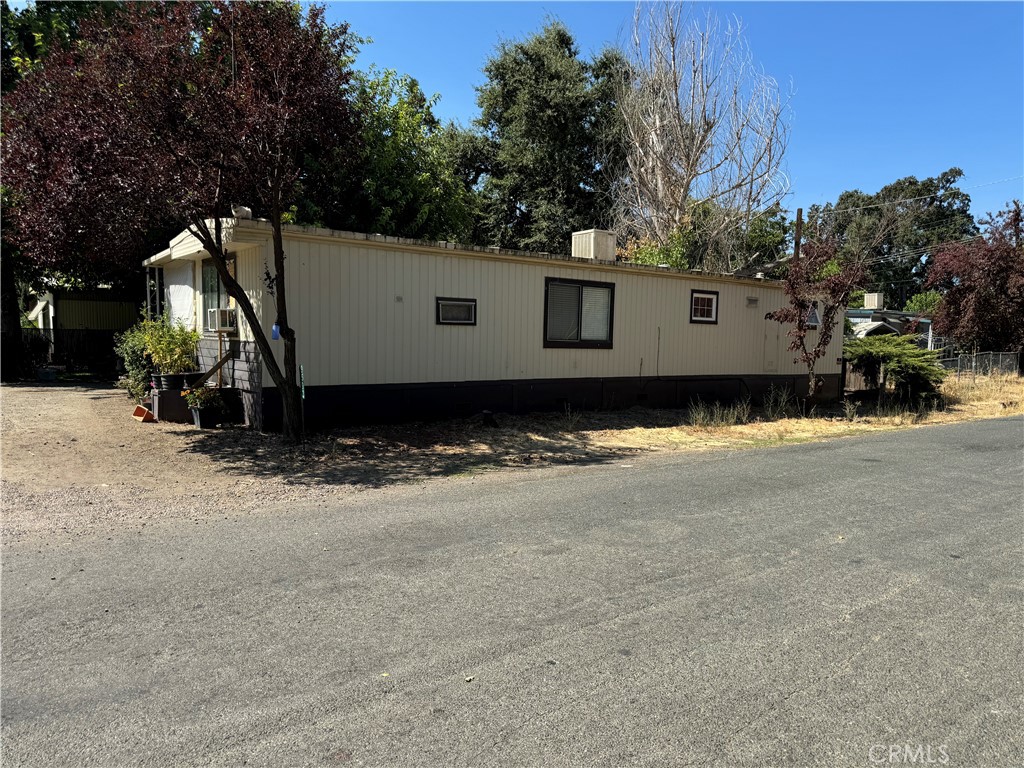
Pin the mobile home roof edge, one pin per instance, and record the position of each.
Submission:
(264, 227)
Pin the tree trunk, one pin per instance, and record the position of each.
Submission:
(813, 383)
(286, 385)
(291, 401)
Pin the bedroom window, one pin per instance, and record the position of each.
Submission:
(578, 313)
(704, 307)
(214, 295)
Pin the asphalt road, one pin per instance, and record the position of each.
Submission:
(857, 602)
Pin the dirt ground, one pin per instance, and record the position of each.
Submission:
(73, 461)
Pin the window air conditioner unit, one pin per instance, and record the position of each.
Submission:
(221, 320)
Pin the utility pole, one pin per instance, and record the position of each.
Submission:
(799, 231)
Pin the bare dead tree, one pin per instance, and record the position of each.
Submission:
(706, 133)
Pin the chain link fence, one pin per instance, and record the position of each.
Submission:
(983, 363)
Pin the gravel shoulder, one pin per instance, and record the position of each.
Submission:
(73, 462)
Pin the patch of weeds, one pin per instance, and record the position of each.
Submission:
(895, 411)
(742, 410)
(849, 410)
(570, 419)
(699, 414)
(705, 416)
(778, 403)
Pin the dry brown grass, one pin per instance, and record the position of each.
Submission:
(964, 399)
(387, 454)
(984, 396)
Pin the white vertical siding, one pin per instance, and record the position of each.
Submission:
(365, 314)
(249, 273)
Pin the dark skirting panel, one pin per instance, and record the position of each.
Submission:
(333, 406)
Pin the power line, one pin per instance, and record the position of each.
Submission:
(917, 252)
(921, 197)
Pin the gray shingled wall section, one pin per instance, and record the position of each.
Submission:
(243, 371)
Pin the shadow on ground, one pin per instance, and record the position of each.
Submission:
(386, 455)
(101, 387)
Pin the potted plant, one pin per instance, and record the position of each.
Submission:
(172, 348)
(207, 406)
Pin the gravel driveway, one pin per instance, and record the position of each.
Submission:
(75, 462)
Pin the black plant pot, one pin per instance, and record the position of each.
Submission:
(206, 418)
(234, 412)
(193, 377)
(172, 381)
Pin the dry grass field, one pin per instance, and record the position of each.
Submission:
(456, 446)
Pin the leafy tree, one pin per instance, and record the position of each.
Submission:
(759, 241)
(467, 153)
(401, 182)
(818, 286)
(925, 303)
(896, 231)
(549, 118)
(913, 371)
(177, 114)
(26, 34)
(982, 282)
(766, 237)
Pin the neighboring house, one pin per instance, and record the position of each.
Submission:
(874, 320)
(80, 326)
(393, 329)
(875, 328)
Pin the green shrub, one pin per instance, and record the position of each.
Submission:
(204, 397)
(154, 345)
(131, 347)
(914, 372)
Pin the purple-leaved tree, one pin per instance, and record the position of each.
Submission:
(177, 113)
(818, 285)
(982, 286)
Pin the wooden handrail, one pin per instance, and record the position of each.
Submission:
(209, 374)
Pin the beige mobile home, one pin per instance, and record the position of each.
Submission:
(392, 329)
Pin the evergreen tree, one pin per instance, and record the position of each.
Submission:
(549, 119)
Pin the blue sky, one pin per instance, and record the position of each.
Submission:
(881, 90)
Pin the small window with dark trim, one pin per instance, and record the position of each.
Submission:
(578, 313)
(704, 306)
(456, 311)
(813, 321)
